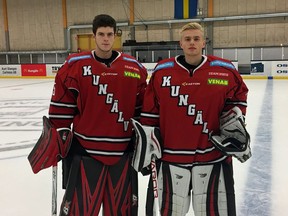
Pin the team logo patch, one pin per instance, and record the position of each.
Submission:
(134, 200)
(66, 207)
(203, 175)
(131, 74)
(212, 81)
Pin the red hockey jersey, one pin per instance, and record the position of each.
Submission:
(188, 105)
(99, 101)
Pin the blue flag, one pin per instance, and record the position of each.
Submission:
(185, 9)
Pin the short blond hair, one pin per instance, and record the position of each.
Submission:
(193, 25)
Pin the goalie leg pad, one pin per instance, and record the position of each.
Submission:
(147, 145)
(122, 180)
(92, 184)
(233, 138)
(50, 147)
(174, 186)
(213, 190)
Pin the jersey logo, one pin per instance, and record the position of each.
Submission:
(183, 101)
(110, 100)
(212, 81)
(87, 70)
(166, 81)
(222, 64)
(131, 74)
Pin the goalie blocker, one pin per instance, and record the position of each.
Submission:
(52, 145)
(233, 138)
(147, 143)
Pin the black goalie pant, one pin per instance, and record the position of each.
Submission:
(91, 184)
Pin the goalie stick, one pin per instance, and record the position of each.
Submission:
(54, 190)
(155, 186)
(146, 152)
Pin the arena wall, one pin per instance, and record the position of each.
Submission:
(39, 25)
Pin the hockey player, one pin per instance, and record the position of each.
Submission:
(97, 92)
(197, 103)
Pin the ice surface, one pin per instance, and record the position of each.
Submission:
(260, 183)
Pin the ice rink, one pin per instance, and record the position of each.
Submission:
(261, 183)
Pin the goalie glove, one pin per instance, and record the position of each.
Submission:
(52, 145)
(147, 145)
(233, 139)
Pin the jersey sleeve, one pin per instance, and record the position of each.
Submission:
(63, 104)
(141, 91)
(238, 95)
(150, 111)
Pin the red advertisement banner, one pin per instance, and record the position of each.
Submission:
(33, 69)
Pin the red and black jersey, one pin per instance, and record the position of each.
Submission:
(99, 101)
(187, 105)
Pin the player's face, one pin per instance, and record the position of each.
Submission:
(104, 39)
(192, 42)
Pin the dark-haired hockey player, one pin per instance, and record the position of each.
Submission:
(97, 92)
(198, 103)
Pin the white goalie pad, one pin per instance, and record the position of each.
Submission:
(233, 138)
(202, 186)
(147, 145)
(180, 189)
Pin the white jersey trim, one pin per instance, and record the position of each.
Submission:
(197, 151)
(105, 153)
(206, 162)
(63, 104)
(102, 139)
(62, 116)
(150, 115)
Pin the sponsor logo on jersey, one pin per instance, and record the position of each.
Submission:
(131, 74)
(131, 68)
(218, 74)
(222, 64)
(190, 84)
(212, 81)
(109, 74)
